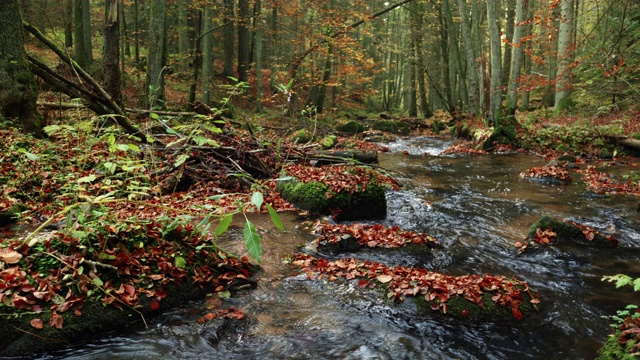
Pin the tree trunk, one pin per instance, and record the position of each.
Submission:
(472, 85)
(259, 51)
(417, 15)
(86, 28)
(68, 24)
(136, 28)
(183, 35)
(228, 38)
(18, 90)
(563, 85)
(517, 57)
(80, 54)
(157, 54)
(495, 94)
(111, 54)
(207, 53)
(243, 40)
(509, 25)
(124, 35)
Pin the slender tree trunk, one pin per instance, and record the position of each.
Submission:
(493, 13)
(517, 58)
(478, 52)
(87, 34)
(259, 51)
(196, 55)
(124, 34)
(243, 40)
(80, 54)
(563, 85)
(207, 53)
(417, 15)
(228, 38)
(68, 24)
(526, 96)
(157, 54)
(509, 26)
(18, 89)
(183, 35)
(136, 28)
(111, 52)
(472, 84)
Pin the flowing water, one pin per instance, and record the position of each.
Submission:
(477, 207)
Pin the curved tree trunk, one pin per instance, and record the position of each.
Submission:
(111, 54)
(18, 90)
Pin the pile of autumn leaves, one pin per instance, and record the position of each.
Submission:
(400, 281)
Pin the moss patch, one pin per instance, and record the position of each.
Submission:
(351, 127)
(612, 350)
(11, 214)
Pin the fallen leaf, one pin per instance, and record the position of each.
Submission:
(37, 323)
(384, 278)
(10, 256)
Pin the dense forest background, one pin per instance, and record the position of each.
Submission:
(484, 58)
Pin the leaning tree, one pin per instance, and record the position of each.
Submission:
(18, 89)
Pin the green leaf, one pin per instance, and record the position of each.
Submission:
(224, 294)
(181, 159)
(154, 116)
(110, 167)
(257, 199)
(122, 147)
(180, 262)
(86, 179)
(97, 281)
(252, 241)
(224, 225)
(275, 218)
(112, 139)
(636, 284)
(31, 156)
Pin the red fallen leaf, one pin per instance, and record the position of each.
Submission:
(77, 313)
(9, 256)
(211, 316)
(465, 313)
(37, 323)
(363, 283)
(56, 320)
(518, 244)
(155, 304)
(237, 314)
(590, 235)
(516, 313)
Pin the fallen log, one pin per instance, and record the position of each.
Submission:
(630, 144)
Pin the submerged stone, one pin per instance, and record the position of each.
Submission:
(351, 127)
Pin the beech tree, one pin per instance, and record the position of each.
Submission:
(18, 91)
(156, 60)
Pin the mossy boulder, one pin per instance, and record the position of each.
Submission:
(351, 128)
(459, 307)
(346, 192)
(328, 142)
(391, 126)
(11, 214)
(569, 232)
(317, 197)
(20, 339)
(302, 136)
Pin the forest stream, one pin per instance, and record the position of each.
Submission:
(477, 207)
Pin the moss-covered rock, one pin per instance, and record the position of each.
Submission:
(328, 141)
(613, 350)
(351, 127)
(302, 136)
(569, 232)
(391, 126)
(458, 306)
(19, 338)
(317, 197)
(11, 214)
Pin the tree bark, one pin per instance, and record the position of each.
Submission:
(183, 35)
(68, 24)
(207, 53)
(243, 40)
(565, 38)
(259, 51)
(86, 31)
(80, 54)
(495, 94)
(157, 54)
(509, 26)
(18, 90)
(228, 38)
(111, 52)
(517, 58)
(472, 75)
